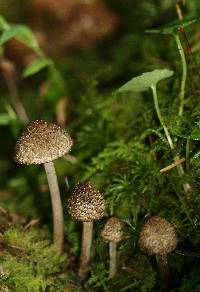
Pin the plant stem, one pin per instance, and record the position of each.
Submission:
(187, 153)
(85, 249)
(184, 72)
(163, 267)
(9, 76)
(183, 204)
(112, 254)
(180, 170)
(58, 221)
(167, 134)
(179, 167)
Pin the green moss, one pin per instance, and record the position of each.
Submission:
(30, 263)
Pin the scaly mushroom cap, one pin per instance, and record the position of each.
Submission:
(42, 142)
(157, 236)
(112, 230)
(86, 203)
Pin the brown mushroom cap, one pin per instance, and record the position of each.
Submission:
(42, 142)
(157, 236)
(112, 230)
(86, 203)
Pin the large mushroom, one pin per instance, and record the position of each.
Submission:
(112, 232)
(43, 142)
(86, 204)
(158, 237)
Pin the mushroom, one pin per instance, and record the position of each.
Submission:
(112, 232)
(43, 142)
(86, 204)
(158, 237)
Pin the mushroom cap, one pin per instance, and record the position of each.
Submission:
(42, 142)
(86, 203)
(157, 236)
(112, 230)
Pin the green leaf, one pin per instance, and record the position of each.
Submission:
(195, 134)
(4, 119)
(37, 66)
(196, 156)
(172, 27)
(3, 24)
(146, 80)
(21, 33)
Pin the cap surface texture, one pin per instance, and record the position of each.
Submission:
(157, 236)
(112, 230)
(86, 203)
(42, 142)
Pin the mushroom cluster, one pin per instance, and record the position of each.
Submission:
(43, 142)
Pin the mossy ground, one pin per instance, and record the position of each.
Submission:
(119, 145)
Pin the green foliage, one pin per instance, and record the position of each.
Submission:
(4, 119)
(173, 26)
(21, 33)
(146, 80)
(36, 66)
(3, 24)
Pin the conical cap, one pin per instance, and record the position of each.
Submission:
(86, 203)
(157, 236)
(42, 142)
(112, 230)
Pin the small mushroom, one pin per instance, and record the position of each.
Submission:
(86, 204)
(43, 142)
(158, 237)
(112, 232)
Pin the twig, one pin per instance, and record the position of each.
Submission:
(174, 164)
(31, 223)
(179, 11)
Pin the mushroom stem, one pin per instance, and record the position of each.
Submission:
(58, 221)
(113, 254)
(163, 266)
(85, 248)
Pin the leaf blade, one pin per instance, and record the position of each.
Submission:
(21, 33)
(36, 66)
(172, 27)
(144, 81)
(3, 24)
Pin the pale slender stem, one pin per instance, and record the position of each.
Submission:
(58, 221)
(85, 249)
(184, 72)
(163, 266)
(113, 255)
(180, 170)
(179, 167)
(167, 134)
